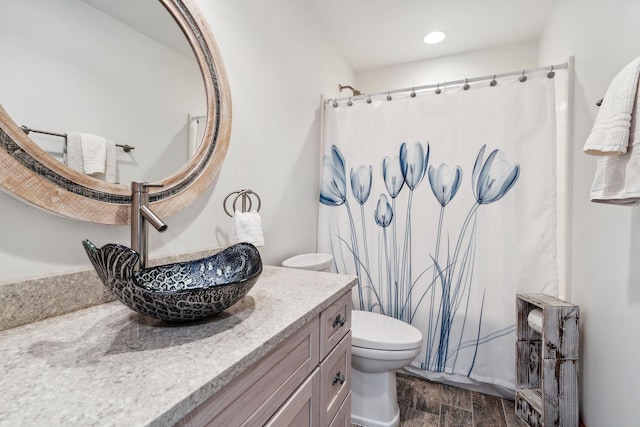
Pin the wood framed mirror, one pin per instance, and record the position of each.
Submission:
(31, 174)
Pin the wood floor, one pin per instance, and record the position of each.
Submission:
(428, 404)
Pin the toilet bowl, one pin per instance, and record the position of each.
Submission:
(379, 345)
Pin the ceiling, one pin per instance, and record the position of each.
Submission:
(148, 17)
(379, 33)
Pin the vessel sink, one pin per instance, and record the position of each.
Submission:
(184, 291)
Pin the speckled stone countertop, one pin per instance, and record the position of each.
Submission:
(107, 365)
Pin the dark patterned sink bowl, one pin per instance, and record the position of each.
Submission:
(184, 291)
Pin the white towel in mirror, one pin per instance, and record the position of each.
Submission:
(92, 155)
(110, 171)
(74, 152)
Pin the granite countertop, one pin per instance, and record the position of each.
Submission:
(107, 365)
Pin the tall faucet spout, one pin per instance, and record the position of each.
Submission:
(141, 215)
(153, 219)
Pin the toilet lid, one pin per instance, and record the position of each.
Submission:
(317, 262)
(377, 331)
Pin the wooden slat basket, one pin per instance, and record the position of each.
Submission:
(547, 362)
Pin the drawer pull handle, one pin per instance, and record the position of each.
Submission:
(339, 321)
(339, 378)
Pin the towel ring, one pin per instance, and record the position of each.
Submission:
(245, 196)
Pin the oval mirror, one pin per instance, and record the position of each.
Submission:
(145, 74)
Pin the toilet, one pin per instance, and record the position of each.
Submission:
(379, 346)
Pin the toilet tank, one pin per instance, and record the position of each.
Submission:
(317, 262)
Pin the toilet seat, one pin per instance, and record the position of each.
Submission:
(384, 355)
(379, 332)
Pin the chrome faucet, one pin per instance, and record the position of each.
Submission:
(141, 214)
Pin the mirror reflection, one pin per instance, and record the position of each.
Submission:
(121, 71)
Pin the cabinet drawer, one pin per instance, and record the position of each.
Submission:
(335, 380)
(302, 408)
(343, 417)
(253, 397)
(335, 321)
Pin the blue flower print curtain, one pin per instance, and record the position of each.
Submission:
(444, 206)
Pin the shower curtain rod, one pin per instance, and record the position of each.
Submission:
(464, 82)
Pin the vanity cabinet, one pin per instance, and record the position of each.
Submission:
(304, 381)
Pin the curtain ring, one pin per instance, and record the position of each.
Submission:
(551, 74)
(466, 84)
(493, 82)
(335, 104)
(369, 99)
(350, 102)
(523, 77)
(413, 92)
(438, 91)
(389, 96)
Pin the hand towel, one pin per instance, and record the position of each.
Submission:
(192, 133)
(94, 153)
(110, 173)
(610, 132)
(74, 152)
(617, 178)
(248, 227)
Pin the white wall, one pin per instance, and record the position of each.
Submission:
(603, 36)
(279, 64)
(455, 67)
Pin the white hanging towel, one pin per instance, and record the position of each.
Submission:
(610, 132)
(94, 153)
(110, 172)
(248, 227)
(74, 152)
(617, 176)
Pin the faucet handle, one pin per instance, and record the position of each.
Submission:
(147, 185)
(142, 186)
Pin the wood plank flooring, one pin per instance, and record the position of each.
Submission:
(428, 404)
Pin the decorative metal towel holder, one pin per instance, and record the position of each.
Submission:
(245, 196)
(126, 147)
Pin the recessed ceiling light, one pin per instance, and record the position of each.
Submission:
(434, 37)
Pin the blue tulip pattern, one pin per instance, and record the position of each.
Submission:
(445, 291)
(445, 182)
(361, 183)
(413, 164)
(333, 189)
(383, 212)
(494, 178)
(392, 174)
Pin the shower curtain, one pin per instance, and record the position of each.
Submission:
(444, 206)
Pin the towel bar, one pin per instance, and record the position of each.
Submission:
(245, 196)
(126, 147)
